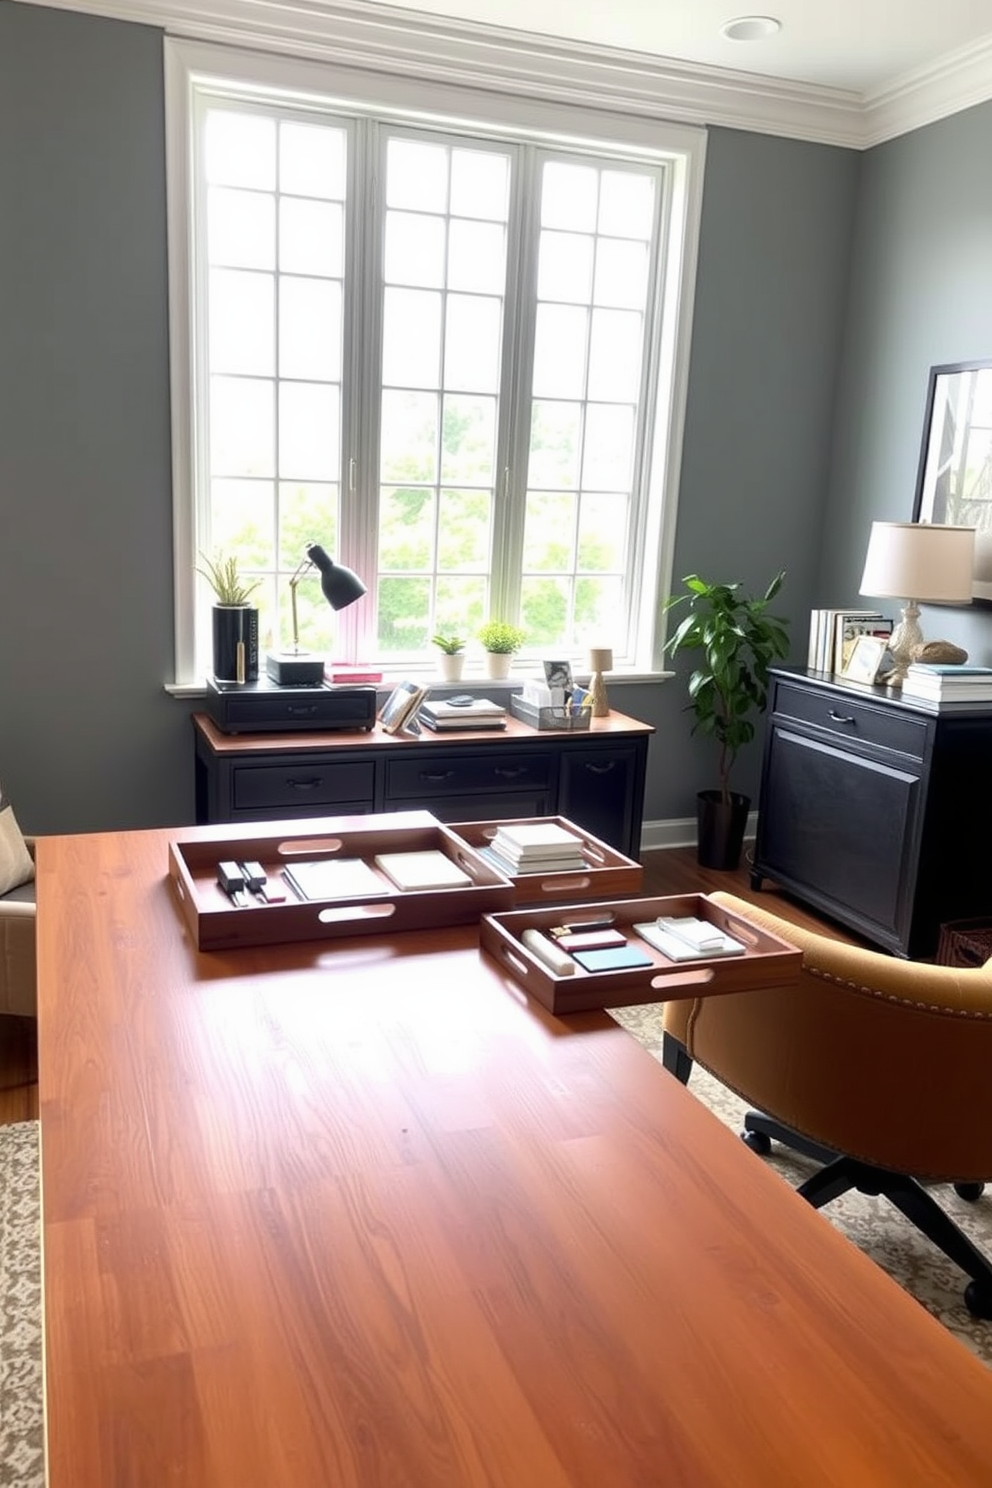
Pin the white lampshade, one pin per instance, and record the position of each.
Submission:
(921, 561)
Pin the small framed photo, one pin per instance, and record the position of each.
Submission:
(558, 674)
(399, 711)
(866, 658)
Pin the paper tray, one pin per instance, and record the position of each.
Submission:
(607, 872)
(767, 960)
(216, 923)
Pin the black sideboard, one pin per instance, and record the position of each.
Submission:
(876, 810)
(594, 778)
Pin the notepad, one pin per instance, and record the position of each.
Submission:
(334, 878)
(431, 869)
(680, 950)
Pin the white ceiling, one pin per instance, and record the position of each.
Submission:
(865, 46)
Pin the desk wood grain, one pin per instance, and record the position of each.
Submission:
(359, 1215)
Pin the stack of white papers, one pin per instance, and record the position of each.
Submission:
(480, 713)
(536, 847)
(431, 869)
(334, 878)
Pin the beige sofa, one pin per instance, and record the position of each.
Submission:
(18, 961)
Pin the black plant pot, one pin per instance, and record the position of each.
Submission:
(720, 826)
(235, 643)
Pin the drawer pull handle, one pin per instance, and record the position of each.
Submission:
(841, 717)
(510, 773)
(301, 710)
(306, 785)
(600, 767)
(437, 777)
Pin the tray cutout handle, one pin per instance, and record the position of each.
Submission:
(565, 885)
(309, 847)
(376, 910)
(665, 981)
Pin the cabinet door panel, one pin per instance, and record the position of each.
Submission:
(597, 793)
(843, 825)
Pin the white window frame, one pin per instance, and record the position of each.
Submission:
(572, 124)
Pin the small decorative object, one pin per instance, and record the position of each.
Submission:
(866, 659)
(600, 661)
(944, 652)
(235, 622)
(738, 640)
(452, 659)
(340, 586)
(501, 640)
(399, 711)
(931, 563)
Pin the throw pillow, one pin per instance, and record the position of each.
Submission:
(16, 863)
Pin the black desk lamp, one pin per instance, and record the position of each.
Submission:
(340, 587)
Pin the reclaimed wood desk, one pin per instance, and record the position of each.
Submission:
(357, 1214)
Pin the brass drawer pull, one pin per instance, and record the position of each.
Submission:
(840, 717)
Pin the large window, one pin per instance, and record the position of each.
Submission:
(444, 351)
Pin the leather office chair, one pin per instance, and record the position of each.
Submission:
(18, 963)
(880, 1069)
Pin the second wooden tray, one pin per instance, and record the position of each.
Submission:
(607, 873)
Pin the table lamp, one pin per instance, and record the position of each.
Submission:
(340, 587)
(600, 661)
(915, 561)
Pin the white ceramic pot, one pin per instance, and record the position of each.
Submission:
(498, 663)
(451, 665)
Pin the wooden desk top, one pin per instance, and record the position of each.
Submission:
(357, 1215)
(234, 744)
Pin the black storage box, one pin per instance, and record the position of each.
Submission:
(262, 707)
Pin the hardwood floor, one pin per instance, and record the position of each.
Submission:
(671, 871)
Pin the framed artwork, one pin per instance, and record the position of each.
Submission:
(954, 479)
(399, 711)
(866, 658)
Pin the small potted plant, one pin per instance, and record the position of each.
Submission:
(737, 640)
(452, 658)
(501, 640)
(235, 621)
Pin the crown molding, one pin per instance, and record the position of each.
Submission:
(498, 60)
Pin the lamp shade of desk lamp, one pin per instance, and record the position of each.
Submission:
(915, 561)
(600, 661)
(340, 586)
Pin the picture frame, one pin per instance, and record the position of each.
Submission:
(399, 711)
(866, 659)
(954, 476)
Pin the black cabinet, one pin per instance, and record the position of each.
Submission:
(596, 779)
(875, 810)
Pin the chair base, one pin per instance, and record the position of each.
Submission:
(840, 1173)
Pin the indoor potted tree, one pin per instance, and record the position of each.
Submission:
(452, 659)
(235, 621)
(737, 640)
(500, 640)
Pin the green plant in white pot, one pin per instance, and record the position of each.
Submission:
(737, 640)
(235, 621)
(452, 659)
(501, 640)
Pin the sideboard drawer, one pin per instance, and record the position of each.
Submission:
(852, 720)
(442, 774)
(304, 784)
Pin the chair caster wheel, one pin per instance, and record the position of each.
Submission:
(757, 1141)
(978, 1300)
(969, 1191)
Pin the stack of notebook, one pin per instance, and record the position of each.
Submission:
(535, 847)
(472, 713)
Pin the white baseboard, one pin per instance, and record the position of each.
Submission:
(681, 832)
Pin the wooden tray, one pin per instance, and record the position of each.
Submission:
(767, 961)
(218, 924)
(607, 872)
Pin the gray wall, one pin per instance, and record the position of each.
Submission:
(921, 295)
(88, 738)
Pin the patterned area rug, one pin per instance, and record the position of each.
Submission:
(874, 1224)
(22, 1449)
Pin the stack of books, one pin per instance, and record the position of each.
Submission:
(535, 847)
(451, 716)
(936, 684)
